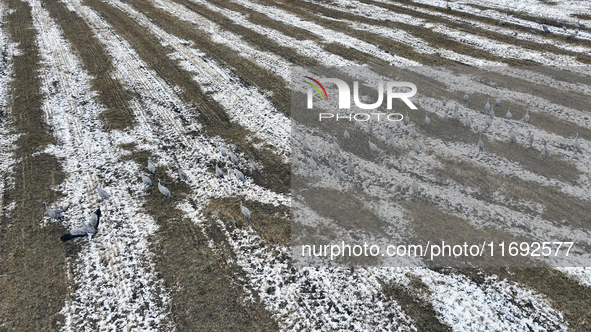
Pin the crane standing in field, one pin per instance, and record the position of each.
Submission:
(55, 214)
(151, 167)
(414, 187)
(512, 136)
(239, 175)
(245, 211)
(146, 180)
(103, 194)
(546, 152)
(183, 176)
(163, 190)
(480, 143)
(218, 171)
(373, 147)
(577, 144)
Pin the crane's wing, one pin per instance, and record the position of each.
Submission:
(94, 220)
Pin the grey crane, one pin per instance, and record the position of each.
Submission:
(564, 28)
(223, 151)
(372, 146)
(577, 144)
(331, 162)
(581, 25)
(55, 214)
(480, 143)
(427, 120)
(314, 155)
(146, 180)
(444, 102)
(336, 146)
(414, 187)
(533, 32)
(501, 22)
(445, 116)
(398, 124)
(466, 97)
(498, 102)
(245, 211)
(239, 175)
(413, 132)
(340, 175)
(388, 134)
(530, 138)
(546, 30)
(456, 113)
(492, 113)
(296, 163)
(571, 36)
(546, 153)
(487, 105)
(347, 136)
(313, 164)
(88, 228)
(467, 123)
(151, 167)
(512, 136)
(253, 165)
(182, 173)
(509, 115)
(515, 32)
(559, 22)
(103, 194)
(305, 144)
(417, 148)
(526, 117)
(406, 119)
(488, 121)
(391, 141)
(350, 166)
(234, 159)
(218, 171)
(357, 125)
(163, 190)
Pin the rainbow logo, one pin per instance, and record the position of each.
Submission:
(316, 88)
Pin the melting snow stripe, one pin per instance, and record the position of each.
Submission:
(8, 50)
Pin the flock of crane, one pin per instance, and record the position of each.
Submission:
(90, 228)
(489, 115)
(544, 27)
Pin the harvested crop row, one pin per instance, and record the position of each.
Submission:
(33, 282)
(8, 51)
(112, 276)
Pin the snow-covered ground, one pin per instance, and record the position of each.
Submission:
(113, 277)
